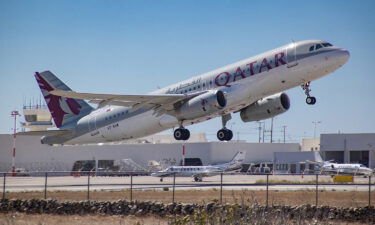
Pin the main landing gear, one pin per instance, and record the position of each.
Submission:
(181, 134)
(309, 99)
(225, 134)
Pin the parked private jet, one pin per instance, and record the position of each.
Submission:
(198, 172)
(328, 167)
(251, 87)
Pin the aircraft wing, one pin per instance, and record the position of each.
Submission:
(161, 102)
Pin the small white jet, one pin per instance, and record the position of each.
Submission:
(328, 167)
(251, 87)
(198, 172)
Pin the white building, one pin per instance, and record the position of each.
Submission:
(310, 144)
(33, 156)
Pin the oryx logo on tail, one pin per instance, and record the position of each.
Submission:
(63, 110)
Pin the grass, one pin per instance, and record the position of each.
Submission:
(330, 198)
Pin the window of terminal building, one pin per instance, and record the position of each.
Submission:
(30, 118)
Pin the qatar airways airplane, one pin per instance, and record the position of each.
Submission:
(251, 87)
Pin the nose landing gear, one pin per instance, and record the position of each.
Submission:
(309, 99)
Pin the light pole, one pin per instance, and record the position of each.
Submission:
(259, 129)
(14, 114)
(315, 123)
(284, 127)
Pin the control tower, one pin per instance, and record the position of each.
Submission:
(37, 117)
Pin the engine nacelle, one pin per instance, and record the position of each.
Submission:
(202, 105)
(266, 108)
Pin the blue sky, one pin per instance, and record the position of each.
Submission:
(132, 47)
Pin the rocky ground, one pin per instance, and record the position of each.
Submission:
(178, 213)
(328, 197)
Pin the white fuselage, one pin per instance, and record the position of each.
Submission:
(346, 168)
(243, 83)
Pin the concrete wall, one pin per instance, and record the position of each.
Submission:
(352, 142)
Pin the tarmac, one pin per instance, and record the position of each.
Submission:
(230, 182)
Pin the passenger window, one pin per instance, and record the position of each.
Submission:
(311, 48)
(318, 46)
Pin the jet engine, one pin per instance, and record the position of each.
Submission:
(266, 108)
(202, 105)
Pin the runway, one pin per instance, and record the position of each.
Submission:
(230, 182)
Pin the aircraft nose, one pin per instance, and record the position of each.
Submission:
(343, 56)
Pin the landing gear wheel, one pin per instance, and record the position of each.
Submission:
(178, 133)
(186, 135)
(224, 135)
(230, 135)
(181, 134)
(310, 100)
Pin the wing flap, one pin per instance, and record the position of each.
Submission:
(44, 133)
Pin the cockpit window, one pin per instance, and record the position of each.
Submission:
(311, 48)
(327, 44)
(318, 46)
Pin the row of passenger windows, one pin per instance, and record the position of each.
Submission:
(184, 169)
(194, 88)
(116, 115)
(318, 46)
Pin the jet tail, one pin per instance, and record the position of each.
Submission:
(63, 110)
(236, 162)
(239, 157)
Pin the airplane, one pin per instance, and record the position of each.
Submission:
(327, 167)
(252, 87)
(198, 172)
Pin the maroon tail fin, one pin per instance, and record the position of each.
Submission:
(63, 110)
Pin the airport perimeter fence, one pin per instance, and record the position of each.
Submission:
(15, 185)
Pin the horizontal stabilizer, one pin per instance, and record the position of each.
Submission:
(45, 132)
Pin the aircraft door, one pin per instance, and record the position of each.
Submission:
(291, 55)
